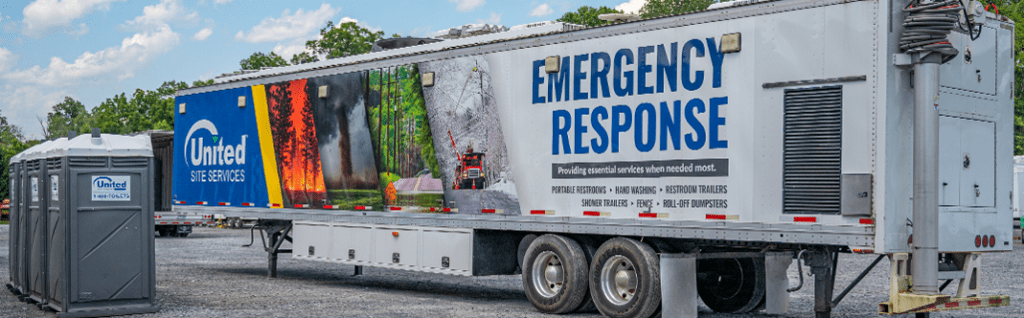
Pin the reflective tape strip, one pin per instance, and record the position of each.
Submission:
(274, 205)
(301, 206)
(542, 212)
(596, 213)
(225, 203)
(805, 219)
(721, 217)
(395, 208)
(867, 221)
(201, 203)
(654, 215)
(248, 204)
(491, 211)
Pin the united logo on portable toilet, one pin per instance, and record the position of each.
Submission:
(111, 188)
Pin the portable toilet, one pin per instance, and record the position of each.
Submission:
(101, 249)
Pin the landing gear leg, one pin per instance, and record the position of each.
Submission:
(277, 232)
(823, 266)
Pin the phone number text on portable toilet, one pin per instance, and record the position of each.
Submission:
(111, 188)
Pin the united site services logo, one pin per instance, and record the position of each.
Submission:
(210, 150)
(105, 183)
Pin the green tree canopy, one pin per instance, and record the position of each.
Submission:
(346, 39)
(259, 60)
(658, 8)
(303, 58)
(587, 15)
(68, 115)
(11, 143)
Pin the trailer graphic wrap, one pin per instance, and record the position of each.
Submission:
(627, 131)
(219, 157)
(344, 141)
(471, 151)
(294, 136)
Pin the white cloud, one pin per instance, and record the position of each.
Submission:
(632, 6)
(121, 61)
(289, 26)
(7, 59)
(293, 47)
(541, 10)
(22, 104)
(202, 34)
(493, 19)
(43, 15)
(159, 14)
(467, 5)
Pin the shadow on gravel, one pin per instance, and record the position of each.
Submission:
(462, 287)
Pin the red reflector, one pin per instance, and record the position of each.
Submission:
(648, 215)
(973, 302)
(715, 216)
(328, 207)
(394, 234)
(538, 212)
(223, 203)
(360, 207)
(433, 209)
(396, 208)
(805, 219)
(992, 241)
(487, 211)
(174, 222)
(298, 205)
(863, 251)
(984, 241)
(995, 301)
(201, 202)
(952, 304)
(591, 213)
(446, 210)
(867, 221)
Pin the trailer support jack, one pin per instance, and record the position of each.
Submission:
(277, 231)
(823, 266)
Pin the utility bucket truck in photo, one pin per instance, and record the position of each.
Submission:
(635, 166)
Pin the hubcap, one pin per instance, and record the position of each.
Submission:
(618, 280)
(547, 272)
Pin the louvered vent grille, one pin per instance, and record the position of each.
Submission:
(812, 150)
(53, 163)
(129, 162)
(87, 162)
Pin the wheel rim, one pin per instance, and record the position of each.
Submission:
(618, 280)
(548, 274)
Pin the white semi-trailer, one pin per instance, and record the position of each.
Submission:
(634, 166)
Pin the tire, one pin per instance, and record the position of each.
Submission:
(589, 246)
(524, 245)
(625, 279)
(555, 274)
(183, 234)
(163, 233)
(731, 285)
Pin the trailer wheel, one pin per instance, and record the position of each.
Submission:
(555, 274)
(625, 279)
(163, 232)
(731, 285)
(183, 234)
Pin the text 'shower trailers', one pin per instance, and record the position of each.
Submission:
(622, 165)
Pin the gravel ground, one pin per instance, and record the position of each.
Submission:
(209, 274)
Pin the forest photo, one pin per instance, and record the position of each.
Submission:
(404, 148)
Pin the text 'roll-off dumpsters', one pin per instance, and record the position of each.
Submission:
(634, 167)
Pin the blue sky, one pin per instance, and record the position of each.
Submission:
(94, 49)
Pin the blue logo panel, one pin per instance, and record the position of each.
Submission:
(217, 150)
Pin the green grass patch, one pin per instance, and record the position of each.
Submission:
(349, 199)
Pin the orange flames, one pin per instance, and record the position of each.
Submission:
(295, 142)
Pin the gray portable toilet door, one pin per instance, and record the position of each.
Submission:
(56, 231)
(111, 256)
(13, 217)
(35, 172)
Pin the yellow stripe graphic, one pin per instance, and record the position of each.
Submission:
(259, 99)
